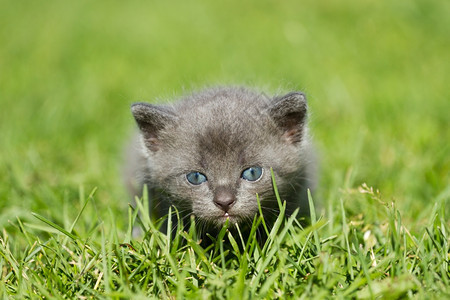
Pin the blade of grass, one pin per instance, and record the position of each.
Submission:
(312, 211)
(55, 226)
(90, 197)
(347, 244)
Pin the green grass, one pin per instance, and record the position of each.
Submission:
(334, 257)
(376, 77)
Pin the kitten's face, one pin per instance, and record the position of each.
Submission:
(216, 174)
(214, 157)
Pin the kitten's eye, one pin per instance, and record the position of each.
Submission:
(252, 173)
(196, 178)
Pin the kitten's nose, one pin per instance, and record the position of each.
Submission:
(224, 198)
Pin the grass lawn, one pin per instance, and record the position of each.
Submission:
(376, 74)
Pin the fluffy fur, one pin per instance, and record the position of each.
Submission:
(220, 132)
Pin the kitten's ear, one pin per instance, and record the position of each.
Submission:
(289, 113)
(151, 119)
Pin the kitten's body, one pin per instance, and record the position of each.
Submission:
(219, 134)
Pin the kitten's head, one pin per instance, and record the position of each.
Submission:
(212, 152)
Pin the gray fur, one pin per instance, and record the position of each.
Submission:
(220, 132)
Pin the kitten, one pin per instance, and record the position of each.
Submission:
(211, 153)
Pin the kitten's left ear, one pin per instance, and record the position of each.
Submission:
(289, 113)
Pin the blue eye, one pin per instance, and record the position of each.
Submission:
(252, 173)
(196, 178)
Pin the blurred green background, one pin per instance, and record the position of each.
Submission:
(375, 73)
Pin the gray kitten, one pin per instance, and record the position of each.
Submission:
(211, 153)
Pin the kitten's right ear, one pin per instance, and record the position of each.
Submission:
(151, 119)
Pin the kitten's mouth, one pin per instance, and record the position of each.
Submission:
(232, 219)
(228, 216)
(220, 219)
